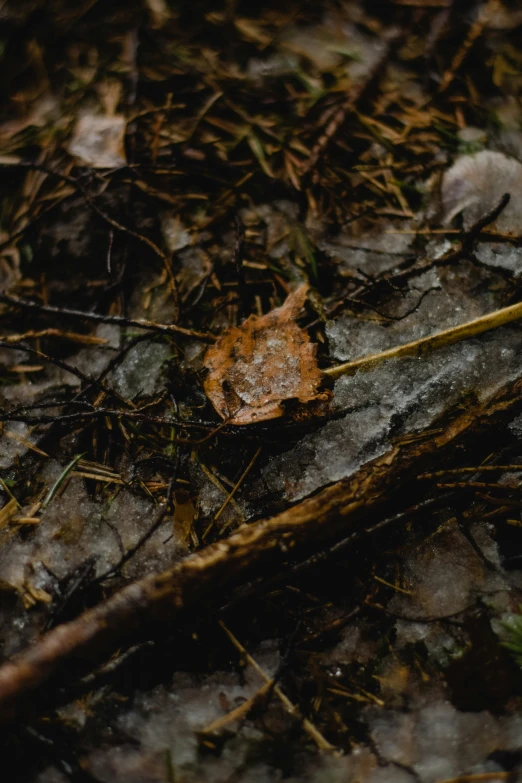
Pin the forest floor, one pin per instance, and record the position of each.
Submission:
(222, 558)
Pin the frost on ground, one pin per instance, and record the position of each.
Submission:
(437, 742)
(409, 727)
(372, 253)
(405, 395)
(355, 141)
(76, 532)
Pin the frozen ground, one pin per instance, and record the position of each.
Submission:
(403, 395)
(416, 732)
(417, 728)
(392, 649)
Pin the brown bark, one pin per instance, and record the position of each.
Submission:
(317, 520)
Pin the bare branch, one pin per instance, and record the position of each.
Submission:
(157, 598)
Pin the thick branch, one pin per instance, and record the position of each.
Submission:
(252, 550)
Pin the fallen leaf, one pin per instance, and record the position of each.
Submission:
(98, 141)
(255, 368)
(476, 183)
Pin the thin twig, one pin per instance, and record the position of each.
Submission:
(468, 238)
(119, 320)
(64, 366)
(473, 233)
(149, 532)
(307, 725)
(477, 469)
(238, 484)
(239, 712)
(75, 337)
(123, 414)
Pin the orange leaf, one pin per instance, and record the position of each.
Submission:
(269, 360)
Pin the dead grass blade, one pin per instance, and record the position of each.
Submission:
(418, 347)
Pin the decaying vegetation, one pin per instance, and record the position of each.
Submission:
(261, 391)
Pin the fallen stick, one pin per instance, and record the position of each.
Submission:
(250, 551)
(119, 320)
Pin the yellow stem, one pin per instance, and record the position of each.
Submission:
(430, 343)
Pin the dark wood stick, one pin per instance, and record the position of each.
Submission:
(252, 550)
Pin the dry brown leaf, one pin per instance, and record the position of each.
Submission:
(269, 360)
(98, 141)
